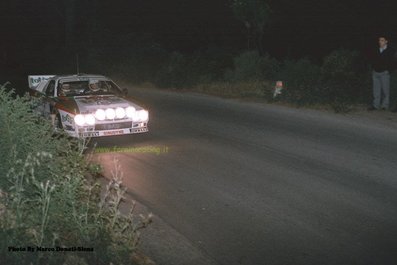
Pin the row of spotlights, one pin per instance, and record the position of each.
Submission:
(119, 113)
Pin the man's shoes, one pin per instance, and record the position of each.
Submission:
(371, 108)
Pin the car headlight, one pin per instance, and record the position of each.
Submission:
(140, 115)
(143, 115)
(135, 116)
(120, 113)
(79, 119)
(90, 119)
(100, 115)
(130, 111)
(110, 114)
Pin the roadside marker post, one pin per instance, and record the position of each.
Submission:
(278, 89)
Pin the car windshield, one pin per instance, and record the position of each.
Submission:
(81, 88)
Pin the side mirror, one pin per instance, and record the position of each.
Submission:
(125, 91)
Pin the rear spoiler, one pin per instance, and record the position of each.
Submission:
(34, 80)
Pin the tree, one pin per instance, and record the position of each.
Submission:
(255, 14)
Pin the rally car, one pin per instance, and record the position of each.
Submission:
(87, 105)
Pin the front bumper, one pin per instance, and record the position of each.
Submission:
(108, 129)
(113, 132)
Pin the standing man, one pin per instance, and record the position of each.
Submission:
(382, 62)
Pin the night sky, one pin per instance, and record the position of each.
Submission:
(305, 28)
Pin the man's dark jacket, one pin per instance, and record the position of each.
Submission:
(384, 61)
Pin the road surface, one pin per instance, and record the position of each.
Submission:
(247, 183)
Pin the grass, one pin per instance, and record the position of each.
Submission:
(238, 90)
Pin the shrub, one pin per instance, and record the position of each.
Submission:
(344, 76)
(48, 200)
(186, 71)
(23, 132)
(251, 66)
(301, 80)
(206, 66)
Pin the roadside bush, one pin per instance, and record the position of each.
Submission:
(48, 200)
(207, 66)
(301, 81)
(344, 77)
(251, 66)
(341, 80)
(23, 132)
(186, 71)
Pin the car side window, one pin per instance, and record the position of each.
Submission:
(50, 89)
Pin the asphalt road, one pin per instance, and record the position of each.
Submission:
(248, 183)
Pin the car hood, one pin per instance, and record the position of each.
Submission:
(89, 104)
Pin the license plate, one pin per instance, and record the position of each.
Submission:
(113, 132)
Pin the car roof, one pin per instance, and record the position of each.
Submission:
(79, 77)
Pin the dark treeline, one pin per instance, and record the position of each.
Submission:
(44, 36)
